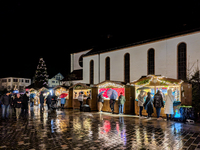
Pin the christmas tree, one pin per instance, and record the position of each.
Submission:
(41, 77)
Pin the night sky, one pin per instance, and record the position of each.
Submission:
(53, 30)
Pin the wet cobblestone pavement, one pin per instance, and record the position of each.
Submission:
(76, 130)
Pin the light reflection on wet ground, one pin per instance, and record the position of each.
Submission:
(70, 129)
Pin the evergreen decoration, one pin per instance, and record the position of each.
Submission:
(41, 76)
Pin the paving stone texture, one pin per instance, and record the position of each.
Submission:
(72, 129)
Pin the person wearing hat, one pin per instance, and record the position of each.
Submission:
(121, 101)
(6, 101)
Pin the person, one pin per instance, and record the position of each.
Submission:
(141, 98)
(148, 105)
(100, 101)
(31, 100)
(169, 99)
(112, 105)
(158, 103)
(5, 101)
(121, 101)
(48, 100)
(41, 101)
(63, 101)
(18, 105)
(80, 99)
(25, 100)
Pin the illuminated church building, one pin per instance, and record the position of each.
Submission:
(169, 56)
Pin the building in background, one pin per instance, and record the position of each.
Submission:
(14, 83)
(55, 80)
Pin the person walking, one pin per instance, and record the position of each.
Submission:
(41, 101)
(141, 98)
(169, 99)
(25, 100)
(148, 105)
(121, 101)
(48, 101)
(80, 99)
(5, 101)
(18, 105)
(158, 103)
(100, 101)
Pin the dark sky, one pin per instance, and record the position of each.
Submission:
(53, 30)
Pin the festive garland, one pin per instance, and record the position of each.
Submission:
(143, 82)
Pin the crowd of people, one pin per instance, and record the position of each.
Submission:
(146, 101)
(17, 102)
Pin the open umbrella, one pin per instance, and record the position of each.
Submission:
(112, 94)
(101, 93)
(63, 95)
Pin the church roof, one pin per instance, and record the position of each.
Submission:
(112, 45)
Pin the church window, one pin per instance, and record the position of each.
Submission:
(151, 61)
(91, 72)
(127, 68)
(81, 61)
(182, 61)
(107, 68)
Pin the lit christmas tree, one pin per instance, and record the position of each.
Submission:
(41, 76)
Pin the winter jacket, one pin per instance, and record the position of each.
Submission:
(169, 99)
(41, 98)
(140, 100)
(158, 100)
(16, 102)
(121, 100)
(80, 98)
(63, 101)
(148, 105)
(5, 100)
(100, 98)
(48, 100)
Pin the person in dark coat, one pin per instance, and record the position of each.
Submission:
(5, 101)
(48, 101)
(18, 105)
(25, 100)
(41, 101)
(158, 103)
(100, 101)
(148, 105)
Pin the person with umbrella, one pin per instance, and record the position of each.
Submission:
(113, 96)
(100, 100)
(63, 100)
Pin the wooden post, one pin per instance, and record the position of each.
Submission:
(93, 101)
(70, 100)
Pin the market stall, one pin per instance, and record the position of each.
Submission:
(181, 91)
(58, 90)
(74, 91)
(119, 87)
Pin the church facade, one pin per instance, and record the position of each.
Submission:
(171, 57)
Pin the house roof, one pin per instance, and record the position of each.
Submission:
(114, 45)
(75, 75)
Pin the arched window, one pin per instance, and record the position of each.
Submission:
(107, 68)
(182, 61)
(151, 61)
(91, 72)
(127, 68)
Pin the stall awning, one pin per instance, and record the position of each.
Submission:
(80, 86)
(61, 86)
(152, 80)
(111, 84)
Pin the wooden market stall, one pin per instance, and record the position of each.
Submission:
(182, 91)
(58, 90)
(128, 92)
(87, 91)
